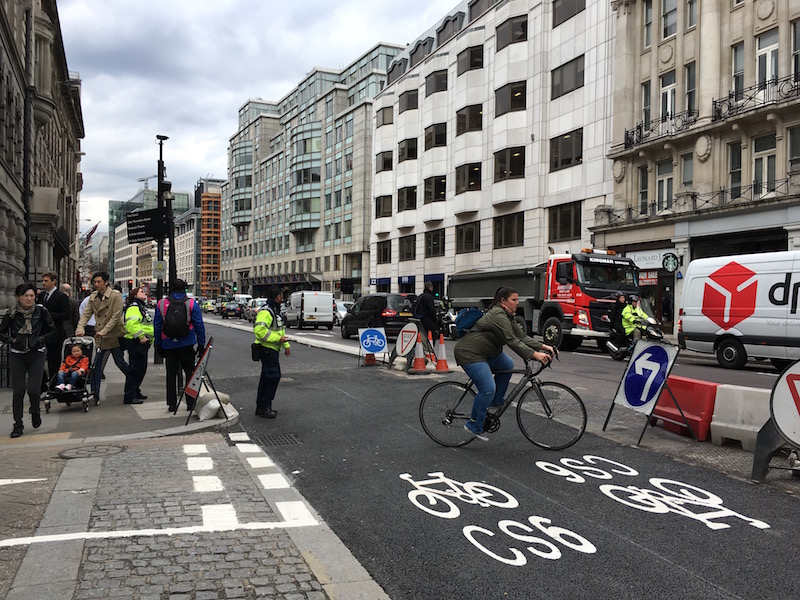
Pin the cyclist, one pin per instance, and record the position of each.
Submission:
(480, 354)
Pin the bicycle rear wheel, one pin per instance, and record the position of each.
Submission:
(443, 412)
(554, 421)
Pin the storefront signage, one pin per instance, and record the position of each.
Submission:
(648, 277)
(649, 259)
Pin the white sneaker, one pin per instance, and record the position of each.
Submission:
(478, 436)
(69, 387)
(61, 386)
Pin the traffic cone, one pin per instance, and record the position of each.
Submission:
(418, 366)
(430, 355)
(441, 358)
(369, 360)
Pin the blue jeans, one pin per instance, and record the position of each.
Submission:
(119, 360)
(491, 390)
(73, 377)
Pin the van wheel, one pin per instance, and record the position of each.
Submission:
(731, 354)
(330, 327)
(551, 332)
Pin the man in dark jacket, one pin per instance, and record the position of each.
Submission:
(57, 304)
(426, 312)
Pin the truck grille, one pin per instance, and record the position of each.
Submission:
(597, 311)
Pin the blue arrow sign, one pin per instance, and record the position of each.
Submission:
(646, 375)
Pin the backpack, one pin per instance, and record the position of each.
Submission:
(177, 319)
(466, 319)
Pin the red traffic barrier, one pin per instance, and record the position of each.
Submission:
(696, 399)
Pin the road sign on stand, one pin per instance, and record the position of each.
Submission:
(406, 339)
(783, 425)
(372, 341)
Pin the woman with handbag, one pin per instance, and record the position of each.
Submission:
(138, 335)
(26, 328)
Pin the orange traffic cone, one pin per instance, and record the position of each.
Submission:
(369, 360)
(430, 354)
(441, 358)
(418, 366)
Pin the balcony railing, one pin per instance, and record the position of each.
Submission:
(669, 124)
(691, 202)
(756, 96)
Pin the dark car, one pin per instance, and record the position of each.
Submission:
(390, 311)
(231, 309)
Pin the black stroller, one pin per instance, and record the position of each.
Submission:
(81, 391)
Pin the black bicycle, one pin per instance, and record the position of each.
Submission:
(551, 415)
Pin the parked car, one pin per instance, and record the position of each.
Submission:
(387, 310)
(231, 309)
(340, 308)
(252, 307)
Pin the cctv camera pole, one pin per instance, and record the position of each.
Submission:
(157, 358)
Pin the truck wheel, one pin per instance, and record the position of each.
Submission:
(522, 323)
(601, 344)
(731, 354)
(570, 343)
(551, 332)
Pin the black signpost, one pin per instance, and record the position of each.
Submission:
(146, 225)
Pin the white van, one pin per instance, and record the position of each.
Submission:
(741, 307)
(310, 308)
(242, 299)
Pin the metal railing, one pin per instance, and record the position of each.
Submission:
(667, 125)
(756, 96)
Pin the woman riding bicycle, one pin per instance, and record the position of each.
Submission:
(480, 354)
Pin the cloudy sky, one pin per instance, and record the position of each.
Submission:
(183, 68)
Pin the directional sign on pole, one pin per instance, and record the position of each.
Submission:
(406, 339)
(785, 404)
(646, 374)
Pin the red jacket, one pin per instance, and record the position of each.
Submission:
(74, 364)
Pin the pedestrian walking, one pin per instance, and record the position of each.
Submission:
(105, 304)
(74, 315)
(57, 304)
(26, 328)
(271, 337)
(139, 332)
(90, 324)
(178, 326)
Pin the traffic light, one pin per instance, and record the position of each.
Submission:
(234, 288)
(130, 284)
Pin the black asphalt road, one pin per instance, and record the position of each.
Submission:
(574, 525)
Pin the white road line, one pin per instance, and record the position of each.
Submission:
(239, 436)
(195, 449)
(294, 511)
(260, 462)
(15, 481)
(207, 483)
(273, 481)
(199, 463)
(219, 516)
(248, 448)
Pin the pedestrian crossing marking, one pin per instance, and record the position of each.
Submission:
(248, 448)
(294, 511)
(273, 481)
(260, 462)
(199, 463)
(207, 483)
(195, 449)
(219, 516)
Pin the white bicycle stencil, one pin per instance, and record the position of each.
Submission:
(680, 498)
(374, 340)
(438, 501)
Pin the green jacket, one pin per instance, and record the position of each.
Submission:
(629, 317)
(487, 337)
(138, 323)
(269, 330)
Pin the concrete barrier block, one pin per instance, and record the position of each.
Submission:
(739, 414)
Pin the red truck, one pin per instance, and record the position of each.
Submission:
(566, 299)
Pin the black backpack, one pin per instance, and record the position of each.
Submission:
(177, 319)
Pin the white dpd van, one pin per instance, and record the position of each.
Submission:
(310, 308)
(742, 307)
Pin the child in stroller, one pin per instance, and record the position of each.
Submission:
(75, 365)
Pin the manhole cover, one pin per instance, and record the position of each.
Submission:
(277, 439)
(91, 451)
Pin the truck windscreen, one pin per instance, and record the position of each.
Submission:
(611, 276)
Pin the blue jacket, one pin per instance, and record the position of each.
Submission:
(197, 332)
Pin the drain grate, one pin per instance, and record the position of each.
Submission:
(276, 439)
(91, 451)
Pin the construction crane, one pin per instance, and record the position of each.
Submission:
(146, 179)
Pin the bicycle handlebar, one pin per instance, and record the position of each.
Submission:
(539, 366)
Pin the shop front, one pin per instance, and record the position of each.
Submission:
(406, 284)
(657, 269)
(382, 284)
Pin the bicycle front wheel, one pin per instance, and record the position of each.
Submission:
(551, 415)
(443, 412)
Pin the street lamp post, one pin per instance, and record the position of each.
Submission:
(157, 358)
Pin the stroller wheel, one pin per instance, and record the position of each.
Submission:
(85, 407)
(68, 403)
(47, 407)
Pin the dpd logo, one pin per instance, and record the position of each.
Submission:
(729, 297)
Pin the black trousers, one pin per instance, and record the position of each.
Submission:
(26, 375)
(270, 378)
(137, 368)
(177, 359)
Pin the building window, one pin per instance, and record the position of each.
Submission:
(646, 104)
(469, 118)
(648, 23)
(794, 147)
(566, 9)
(567, 77)
(384, 116)
(566, 150)
(644, 190)
(691, 89)
(687, 170)
(667, 96)
(796, 50)
(406, 198)
(664, 186)
(435, 135)
(468, 178)
(691, 13)
(407, 247)
(764, 164)
(383, 206)
(470, 59)
(407, 150)
(509, 98)
(565, 222)
(512, 31)
(384, 253)
(478, 7)
(383, 161)
(735, 168)
(509, 230)
(509, 164)
(669, 18)
(435, 189)
(468, 237)
(737, 67)
(767, 59)
(408, 101)
(436, 82)
(434, 243)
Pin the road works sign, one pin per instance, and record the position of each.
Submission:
(785, 404)
(406, 339)
(645, 376)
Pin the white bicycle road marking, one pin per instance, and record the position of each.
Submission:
(470, 492)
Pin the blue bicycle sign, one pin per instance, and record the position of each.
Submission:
(372, 340)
